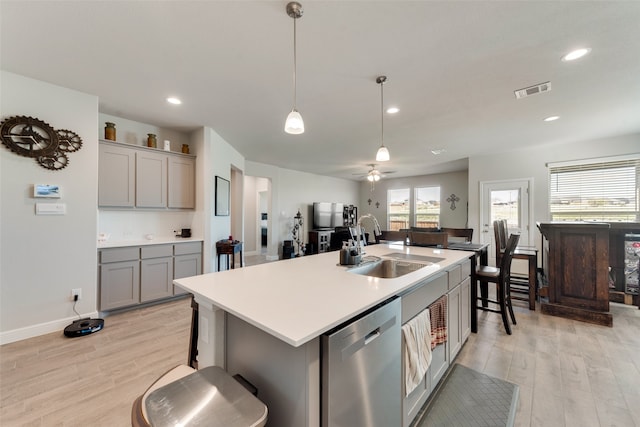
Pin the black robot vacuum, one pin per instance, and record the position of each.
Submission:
(82, 327)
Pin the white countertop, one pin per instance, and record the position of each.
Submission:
(144, 242)
(298, 299)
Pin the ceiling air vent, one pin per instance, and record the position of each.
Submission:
(532, 90)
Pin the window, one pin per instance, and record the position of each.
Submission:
(422, 211)
(598, 190)
(427, 207)
(398, 209)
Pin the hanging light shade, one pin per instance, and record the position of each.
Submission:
(383, 152)
(294, 123)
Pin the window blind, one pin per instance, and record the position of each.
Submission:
(604, 190)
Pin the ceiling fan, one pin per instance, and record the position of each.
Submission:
(374, 175)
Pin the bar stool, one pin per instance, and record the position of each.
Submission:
(501, 277)
(188, 397)
(524, 287)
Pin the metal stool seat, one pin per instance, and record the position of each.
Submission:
(187, 397)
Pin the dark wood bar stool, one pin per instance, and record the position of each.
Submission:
(525, 287)
(501, 277)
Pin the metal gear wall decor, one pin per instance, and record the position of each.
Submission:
(31, 137)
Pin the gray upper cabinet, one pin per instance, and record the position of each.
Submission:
(141, 177)
(116, 177)
(151, 180)
(182, 179)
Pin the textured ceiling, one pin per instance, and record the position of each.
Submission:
(452, 68)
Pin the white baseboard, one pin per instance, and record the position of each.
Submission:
(273, 257)
(39, 329)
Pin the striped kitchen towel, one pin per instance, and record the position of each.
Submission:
(438, 311)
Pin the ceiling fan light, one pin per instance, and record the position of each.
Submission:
(370, 178)
(294, 124)
(376, 177)
(382, 155)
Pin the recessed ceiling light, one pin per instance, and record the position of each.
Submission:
(575, 54)
(438, 151)
(392, 110)
(551, 118)
(175, 101)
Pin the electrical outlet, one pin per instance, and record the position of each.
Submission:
(74, 292)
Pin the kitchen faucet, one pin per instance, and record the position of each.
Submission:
(359, 234)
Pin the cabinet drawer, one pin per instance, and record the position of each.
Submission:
(156, 251)
(417, 300)
(187, 248)
(466, 269)
(455, 276)
(119, 254)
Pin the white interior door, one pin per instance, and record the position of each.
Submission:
(510, 200)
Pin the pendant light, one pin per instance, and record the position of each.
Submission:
(383, 153)
(294, 123)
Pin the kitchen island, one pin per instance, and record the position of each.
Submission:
(266, 321)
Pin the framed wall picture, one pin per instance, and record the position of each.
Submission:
(222, 197)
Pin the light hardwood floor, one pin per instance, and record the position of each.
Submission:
(570, 373)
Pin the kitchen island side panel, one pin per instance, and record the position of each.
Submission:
(287, 377)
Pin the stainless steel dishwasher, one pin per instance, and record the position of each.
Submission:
(361, 370)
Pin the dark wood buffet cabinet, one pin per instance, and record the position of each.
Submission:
(576, 259)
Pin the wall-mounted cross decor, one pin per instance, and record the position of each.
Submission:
(453, 199)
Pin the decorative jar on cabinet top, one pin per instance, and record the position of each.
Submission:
(152, 140)
(110, 131)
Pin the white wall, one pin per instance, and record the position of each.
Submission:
(43, 257)
(449, 183)
(531, 163)
(218, 158)
(292, 190)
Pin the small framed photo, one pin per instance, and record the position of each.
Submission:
(49, 191)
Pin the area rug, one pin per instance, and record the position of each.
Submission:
(470, 398)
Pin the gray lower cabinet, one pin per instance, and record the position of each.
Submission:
(156, 272)
(187, 262)
(119, 272)
(130, 276)
(455, 283)
(454, 333)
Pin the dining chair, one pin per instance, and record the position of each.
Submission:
(500, 276)
(465, 233)
(428, 239)
(394, 236)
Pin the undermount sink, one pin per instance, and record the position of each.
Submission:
(387, 268)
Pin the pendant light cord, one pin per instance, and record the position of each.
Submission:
(295, 85)
(382, 113)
